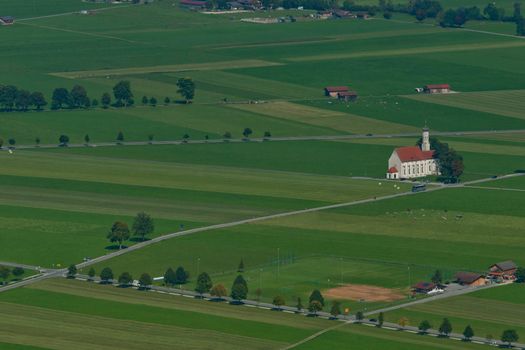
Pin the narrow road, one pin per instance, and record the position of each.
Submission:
(273, 139)
(71, 13)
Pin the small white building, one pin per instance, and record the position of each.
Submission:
(413, 162)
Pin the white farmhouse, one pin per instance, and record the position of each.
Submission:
(412, 162)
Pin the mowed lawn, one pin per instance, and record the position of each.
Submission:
(489, 312)
(62, 212)
(61, 314)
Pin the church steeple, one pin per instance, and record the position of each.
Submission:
(425, 145)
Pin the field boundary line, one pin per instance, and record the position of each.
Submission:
(72, 13)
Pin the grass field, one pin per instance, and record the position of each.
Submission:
(58, 204)
(488, 312)
(62, 311)
(370, 244)
(68, 212)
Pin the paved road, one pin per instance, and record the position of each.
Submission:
(273, 139)
(71, 13)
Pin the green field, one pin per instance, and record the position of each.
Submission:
(60, 314)
(57, 204)
(488, 312)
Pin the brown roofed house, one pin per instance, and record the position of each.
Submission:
(347, 95)
(436, 88)
(423, 287)
(333, 91)
(470, 279)
(505, 269)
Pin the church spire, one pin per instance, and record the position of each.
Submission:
(425, 145)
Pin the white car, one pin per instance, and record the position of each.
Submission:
(436, 291)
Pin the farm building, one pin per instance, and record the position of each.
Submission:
(470, 279)
(333, 91)
(193, 4)
(7, 20)
(436, 89)
(423, 287)
(412, 161)
(503, 270)
(347, 95)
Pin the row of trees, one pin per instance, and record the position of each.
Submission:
(78, 97)
(6, 272)
(12, 98)
(142, 226)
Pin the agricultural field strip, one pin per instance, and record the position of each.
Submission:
(509, 103)
(498, 188)
(407, 51)
(247, 63)
(344, 122)
(464, 29)
(474, 147)
(66, 330)
(326, 39)
(287, 138)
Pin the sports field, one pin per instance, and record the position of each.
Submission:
(57, 204)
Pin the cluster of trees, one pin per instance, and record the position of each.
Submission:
(6, 272)
(14, 99)
(120, 232)
(246, 133)
(449, 161)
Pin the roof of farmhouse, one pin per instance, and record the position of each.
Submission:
(336, 88)
(413, 153)
(437, 86)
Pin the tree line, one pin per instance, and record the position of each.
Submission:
(13, 98)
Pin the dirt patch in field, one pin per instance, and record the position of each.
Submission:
(363, 292)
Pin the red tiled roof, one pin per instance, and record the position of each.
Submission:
(392, 170)
(437, 86)
(193, 2)
(336, 88)
(424, 286)
(413, 153)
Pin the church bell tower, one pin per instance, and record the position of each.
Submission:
(425, 145)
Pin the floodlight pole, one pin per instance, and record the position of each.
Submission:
(278, 261)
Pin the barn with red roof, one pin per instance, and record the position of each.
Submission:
(436, 89)
(413, 161)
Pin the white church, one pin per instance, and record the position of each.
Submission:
(412, 162)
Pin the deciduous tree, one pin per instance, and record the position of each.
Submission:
(186, 89)
(278, 301)
(143, 225)
(71, 271)
(424, 326)
(4, 273)
(219, 291)
(119, 233)
(509, 336)
(316, 295)
(145, 281)
(106, 275)
(468, 333)
(122, 93)
(204, 283)
(125, 279)
(445, 328)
